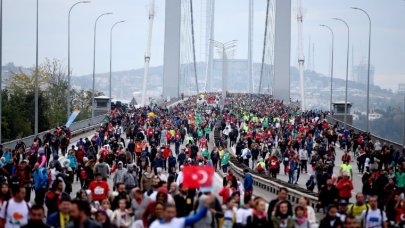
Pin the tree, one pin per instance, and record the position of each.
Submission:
(56, 91)
(18, 100)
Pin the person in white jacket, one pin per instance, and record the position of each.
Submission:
(122, 217)
(226, 132)
(304, 202)
(303, 155)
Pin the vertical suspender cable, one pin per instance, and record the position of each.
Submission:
(147, 52)
(193, 41)
(264, 45)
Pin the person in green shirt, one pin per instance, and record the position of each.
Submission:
(254, 119)
(207, 132)
(225, 161)
(400, 177)
(205, 153)
(189, 138)
(265, 122)
(200, 133)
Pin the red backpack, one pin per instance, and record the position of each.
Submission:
(83, 174)
(49, 178)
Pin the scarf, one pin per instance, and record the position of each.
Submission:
(259, 215)
(300, 220)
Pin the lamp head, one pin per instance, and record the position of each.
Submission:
(86, 1)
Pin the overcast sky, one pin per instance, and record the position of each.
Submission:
(231, 21)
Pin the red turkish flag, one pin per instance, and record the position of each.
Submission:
(198, 176)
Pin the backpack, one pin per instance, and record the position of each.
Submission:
(310, 184)
(83, 174)
(44, 177)
(99, 168)
(248, 154)
(259, 168)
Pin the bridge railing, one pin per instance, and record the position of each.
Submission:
(374, 138)
(273, 185)
(270, 184)
(76, 128)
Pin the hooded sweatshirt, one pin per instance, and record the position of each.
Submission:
(119, 175)
(206, 221)
(130, 179)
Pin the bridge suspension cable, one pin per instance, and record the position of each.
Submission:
(268, 48)
(193, 44)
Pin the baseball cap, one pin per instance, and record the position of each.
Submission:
(343, 202)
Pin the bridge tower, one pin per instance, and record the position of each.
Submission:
(171, 61)
(281, 85)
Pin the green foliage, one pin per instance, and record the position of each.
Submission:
(390, 126)
(18, 107)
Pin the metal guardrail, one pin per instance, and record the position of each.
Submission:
(270, 184)
(273, 185)
(374, 138)
(76, 128)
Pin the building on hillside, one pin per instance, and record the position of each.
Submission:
(401, 88)
(360, 74)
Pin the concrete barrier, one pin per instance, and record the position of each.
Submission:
(76, 128)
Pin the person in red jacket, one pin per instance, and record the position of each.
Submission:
(345, 187)
(99, 188)
(273, 166)
(226, 191)
(168, 137)
(203, 142)
(165, 155)
(150, 134)
(80, 155)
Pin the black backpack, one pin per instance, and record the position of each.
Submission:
(310, 184)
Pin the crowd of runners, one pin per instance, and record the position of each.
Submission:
(130, 171)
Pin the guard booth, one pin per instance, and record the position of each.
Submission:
(339, 112)
(102, 105)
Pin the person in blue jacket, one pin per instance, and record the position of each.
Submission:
(7, 155)
(40, 177)
(247, 182)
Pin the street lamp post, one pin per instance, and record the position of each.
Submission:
(36, 76)
(111, 38)
(347, 67)
(331, 66)
(368, 68)
(1, 62)
(94, 63)
(69, 86)
(224, 47)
